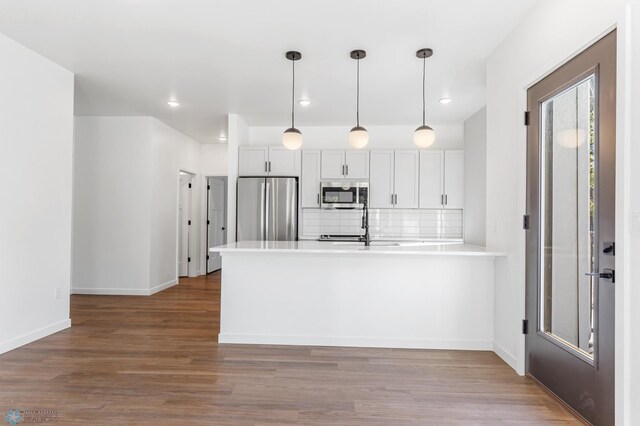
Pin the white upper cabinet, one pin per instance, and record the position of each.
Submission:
(340, 164)
(333, 166)
(454, 179)
(406, 177)
(431, 179)
(442, 179)
(283, 161)
(357, 164)
(253, 161)
(268, 161)
(381, 181)
(310, 185)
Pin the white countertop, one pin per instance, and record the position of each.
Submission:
(432, 248)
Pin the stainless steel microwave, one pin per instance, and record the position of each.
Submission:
(343, 195)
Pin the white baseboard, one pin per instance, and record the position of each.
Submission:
(163, 286)
(505, 355)
(125, 291)
(363, 342)
(112, 291)
(34, 335)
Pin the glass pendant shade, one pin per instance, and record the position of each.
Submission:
(358, 137)
(292, 139)
(424, 137)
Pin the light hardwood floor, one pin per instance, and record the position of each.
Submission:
(154, 360)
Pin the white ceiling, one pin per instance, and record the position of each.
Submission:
(218, 57)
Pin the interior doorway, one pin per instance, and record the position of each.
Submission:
(571, 145)
(184, 222)
(216, 219)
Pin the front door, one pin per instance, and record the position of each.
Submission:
(571, 142)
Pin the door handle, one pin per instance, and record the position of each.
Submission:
(269, 166)
(391, 199)
(607, 274)
(343, 172)
(266, 167)
(446, 199)
(223, 228)
(318, 198)
(347, 170)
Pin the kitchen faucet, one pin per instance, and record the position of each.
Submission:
(366, 238)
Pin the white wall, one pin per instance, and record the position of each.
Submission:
(380, 137)
(171, 152)
(126, 201)
(36, 163)
(112, 201)
(238, 134)
(213, 159)
(551, 34)
(475, 178)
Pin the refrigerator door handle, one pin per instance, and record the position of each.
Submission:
(262, 210)
(267, 207)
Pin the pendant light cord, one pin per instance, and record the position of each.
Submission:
(424, 108)
(358, 93)
(293, 92)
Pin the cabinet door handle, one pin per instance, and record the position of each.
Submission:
(396, 199)
(391, 199)
(266, 167)
(442, 199)
(347, 170)
(318, 198)
(269, 166)
(343, 170)
(446, 199)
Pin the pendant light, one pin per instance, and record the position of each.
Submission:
(358, 136)
(424, 136)
(292, 137)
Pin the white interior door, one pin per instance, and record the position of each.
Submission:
(216, 221)
(184, 221)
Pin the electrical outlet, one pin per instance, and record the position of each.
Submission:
(57, 293)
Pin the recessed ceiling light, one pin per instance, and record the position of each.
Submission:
(173, 104)
(445, 101)
(304, 102)
(222, 138)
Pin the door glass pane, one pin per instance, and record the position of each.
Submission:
(568, 215)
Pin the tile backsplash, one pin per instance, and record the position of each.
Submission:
(383, 223)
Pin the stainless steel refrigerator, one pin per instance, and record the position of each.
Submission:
(267, 209)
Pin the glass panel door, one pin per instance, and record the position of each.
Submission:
(570, 291)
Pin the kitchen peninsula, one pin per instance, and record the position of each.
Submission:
(429, 295)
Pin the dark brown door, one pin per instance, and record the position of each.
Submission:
(571, 141)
